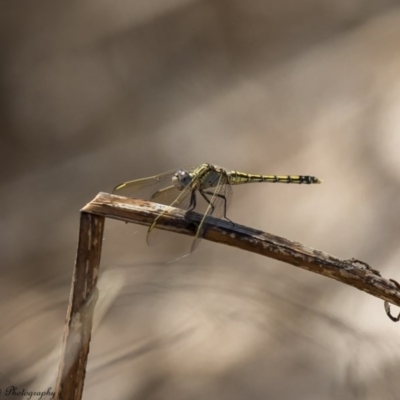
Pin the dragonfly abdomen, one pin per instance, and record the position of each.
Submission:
(238, 178)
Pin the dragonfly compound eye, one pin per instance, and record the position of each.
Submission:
(181, 179)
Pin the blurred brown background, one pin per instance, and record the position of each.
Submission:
(95, 93)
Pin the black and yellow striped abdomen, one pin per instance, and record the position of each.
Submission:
(238, 178)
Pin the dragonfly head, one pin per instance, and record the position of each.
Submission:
(181, 179)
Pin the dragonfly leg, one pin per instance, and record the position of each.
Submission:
(193, 203)
(221, 196)
(207, 199)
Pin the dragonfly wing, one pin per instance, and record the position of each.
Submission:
(157, 188)
(147, 188)
(151, 188)
(172, 197)
(218, 202)
(144, 188)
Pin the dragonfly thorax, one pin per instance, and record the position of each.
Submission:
(201, 178)
(210, 179)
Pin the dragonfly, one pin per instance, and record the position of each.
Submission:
(206, 188)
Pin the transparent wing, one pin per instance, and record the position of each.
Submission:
(145, 188)
(219, 200)
(157, 188)
(175, 198)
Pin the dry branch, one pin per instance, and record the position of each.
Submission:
(83, 292)
(78, 324)
(351, 272)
